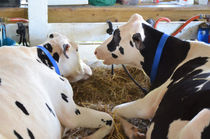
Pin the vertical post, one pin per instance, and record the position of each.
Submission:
(38, 21)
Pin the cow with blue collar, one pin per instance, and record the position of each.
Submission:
(36, 100)
(179, 101)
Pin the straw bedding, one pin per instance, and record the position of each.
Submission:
(102, 91)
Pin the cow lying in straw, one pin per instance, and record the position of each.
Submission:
(179, 102)
(35, 101)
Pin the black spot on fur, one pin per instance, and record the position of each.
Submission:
(203, 75)
(188, 67)
(77, 112)
(17, 134)
(138, 41)
(131, 43)
(61, 79)
(56, 56)
(0, 81)
(38, 60)
(44, 58)
(48, 46)
(174, 52)
(30, 134)
(115, 41)
(108, 122)
(206, 86)
(51, 36)
(21, 106)
(114, 56)
(50, 109)
(121, 50)
(64, 97)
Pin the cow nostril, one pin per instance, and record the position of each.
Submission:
(95, 52)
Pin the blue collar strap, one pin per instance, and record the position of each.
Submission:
(51, 59)
(157, 57)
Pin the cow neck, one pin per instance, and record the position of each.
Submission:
(174, 52)
(46, 57)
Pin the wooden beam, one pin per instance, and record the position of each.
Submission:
(14, 12)
(71, 14)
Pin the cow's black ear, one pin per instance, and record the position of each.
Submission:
(138, 41)
(151, 22)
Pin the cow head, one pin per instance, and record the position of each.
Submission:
(124, 45)
(135, 43)
(66, 55)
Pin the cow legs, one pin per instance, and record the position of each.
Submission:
(89, 118)
(95, 119)
(194, 128)
(144, 108)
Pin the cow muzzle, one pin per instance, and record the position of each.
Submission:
(102, 54)
(99, 53)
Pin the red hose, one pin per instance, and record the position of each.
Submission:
(186, 23)
(161, 19)
(17, 20)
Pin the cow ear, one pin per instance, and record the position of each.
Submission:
(151, 22)
(138, 41)
(65, 48)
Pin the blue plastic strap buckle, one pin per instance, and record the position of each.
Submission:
(50, 58)
(157, 57)
(203, 35)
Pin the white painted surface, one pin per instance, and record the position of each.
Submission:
(97, 31)
(38, 21)
(94, 31)
(81, 31)
(186, 2)
(67, 2)
(87, 55)
(188, 33)
(202, 2)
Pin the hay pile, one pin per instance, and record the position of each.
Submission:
(103, 91)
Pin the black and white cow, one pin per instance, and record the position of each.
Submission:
(36, 102)
(179, 102)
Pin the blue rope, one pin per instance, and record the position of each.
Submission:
(51, 59)
(157, 57)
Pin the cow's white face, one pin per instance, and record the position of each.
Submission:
(67, 57)
(124, 45)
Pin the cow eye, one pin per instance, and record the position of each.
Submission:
(51, 36)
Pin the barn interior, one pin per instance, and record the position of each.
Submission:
(28, 22)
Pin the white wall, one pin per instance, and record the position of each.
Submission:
(95, 31)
